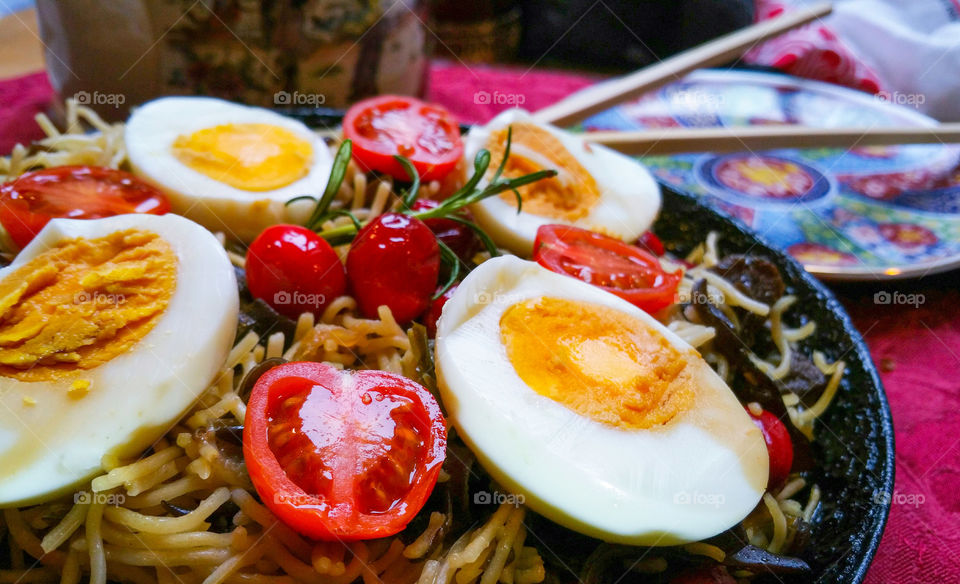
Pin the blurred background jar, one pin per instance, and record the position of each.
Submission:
(310, 53)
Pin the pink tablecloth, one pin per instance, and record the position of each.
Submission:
(916, 348)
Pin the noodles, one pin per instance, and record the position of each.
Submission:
(779, 524)
(126, 474)
(791, 488)
(781, 342)
(705, 549)
(189, 522)
(94, 546)
(733, 296)
(62, 532)
(104, 147)
(823, 403)
(422, 544)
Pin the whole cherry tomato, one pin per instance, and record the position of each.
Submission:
(651, 243)
(779, 446)
(458, 237)
(432, 315)
(394, 261)
(294, 270)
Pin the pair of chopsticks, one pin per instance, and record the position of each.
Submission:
(585, 103)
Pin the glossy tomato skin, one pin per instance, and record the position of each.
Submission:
(607, 263)
(294, 270)
(651, 243)
(331, 438)
(31, 200)
(458, 237)
(394, 261)
(779, 446)
(432, 315)
(388, 125)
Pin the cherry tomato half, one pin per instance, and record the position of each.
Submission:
(294, 270)
(342, 455)
(608, 263)
(779, 446)
(394, 261)
(389, 125)
(31, 200)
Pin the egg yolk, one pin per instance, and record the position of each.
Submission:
(569, 196)
(597, 361)
(252, 157)
(83, 302)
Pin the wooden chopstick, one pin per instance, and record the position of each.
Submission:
(748, 138)
(716, 52)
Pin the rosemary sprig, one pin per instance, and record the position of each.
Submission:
(469, 194)
(338, 171)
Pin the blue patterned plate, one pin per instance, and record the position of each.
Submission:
(858, 214)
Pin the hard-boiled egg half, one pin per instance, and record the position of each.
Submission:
(596, 188)
(229, 167)
(109, 331)
(599, 416)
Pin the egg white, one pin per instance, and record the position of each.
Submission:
(154, 127)
(629, 196)
(690, 479)
(134, 398)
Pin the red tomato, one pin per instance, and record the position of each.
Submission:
(651, 243)
(433, 313)
(394, 261)
(389, 125)
(458, 237)
(340, 455)
(29, 201)
(779, 446)
(294, 270)
(706, 575)
(607, 263)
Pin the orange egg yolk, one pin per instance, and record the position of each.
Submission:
(252, 157)
(597, 361)
(83, 302)
(569, 196)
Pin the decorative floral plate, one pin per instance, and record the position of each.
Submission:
(864, 213)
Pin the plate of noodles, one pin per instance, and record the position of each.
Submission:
(243, 346)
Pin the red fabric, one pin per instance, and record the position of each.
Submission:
(812, 52)
(21, 99)
(476, 93)
(916, 349)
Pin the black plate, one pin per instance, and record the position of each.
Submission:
(854, 447)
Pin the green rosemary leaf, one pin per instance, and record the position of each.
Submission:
(337, 172)
(448, 256)
(301, 198)
(481, 234)
(410, 196)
